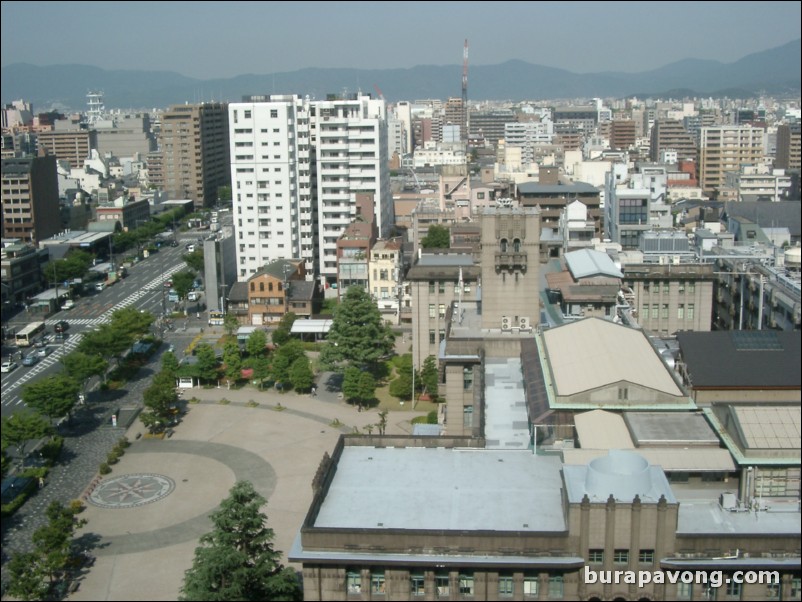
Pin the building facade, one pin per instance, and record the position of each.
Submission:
(30, 199)
(194, 147)
(726, 148)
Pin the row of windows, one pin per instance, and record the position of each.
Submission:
(596, 556)
(269, 287)
(441, 287)
(683, 312)
(684, 287)
(463, 584)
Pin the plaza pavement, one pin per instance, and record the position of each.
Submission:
(141, 552)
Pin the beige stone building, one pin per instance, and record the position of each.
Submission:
(385, 274)
(726, 148)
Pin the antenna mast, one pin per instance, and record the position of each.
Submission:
(465, 112)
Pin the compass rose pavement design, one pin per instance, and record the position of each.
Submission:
(131, 490)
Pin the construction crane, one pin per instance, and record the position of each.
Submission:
(379, 93)
(465, 112)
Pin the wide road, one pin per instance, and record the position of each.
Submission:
(142, 289)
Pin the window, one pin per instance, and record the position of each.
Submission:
(431, 287)
(556, 586)
(467, 377)
(442, 585)
(596, 556)
(516, 245)
(503, 245)
(442, 334)
(432, 339)
(655, 310)
(681, 311)
(644, 314)
(441, 287)
(664, 311)
(353, 582)
(505, 586)
(417, 585)
(274, 113)
(691, 288)
(773, 591)
(646, 557)
(441, 310)
(621, 557)
(432, 311)
(466, 585)
(665, 288)
(684, 591)
(377, 582)
(247, 114)
(690, 312)
(623, 393)
(467, 416)
(733, 591)
(531, 588)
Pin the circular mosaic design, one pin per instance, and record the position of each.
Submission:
(128, 491)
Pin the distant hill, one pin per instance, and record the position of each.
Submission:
(775, 71)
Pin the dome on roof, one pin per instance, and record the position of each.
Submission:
(624, 474)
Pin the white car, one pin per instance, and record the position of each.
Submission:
(8, 366)
(68, 304)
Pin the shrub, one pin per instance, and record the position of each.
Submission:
(77, 506)
(104, 468)
(50, 451)
(124, 442)
(224, 401)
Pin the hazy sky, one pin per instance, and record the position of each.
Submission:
(223, 39)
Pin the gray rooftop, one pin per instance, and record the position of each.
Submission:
(588, 262)
(670, 428)
(455, 489)
(699, 517)
(572, 188)
(506, 422)
(445, 259)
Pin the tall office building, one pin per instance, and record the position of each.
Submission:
(30, 199)
(726, 148)
(67, 142)
(296, 173)
(669, 134)
(788, 147)
(194, 146)
(455, 114)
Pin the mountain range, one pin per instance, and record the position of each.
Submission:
(775, 72)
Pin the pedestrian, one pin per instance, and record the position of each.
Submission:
(41, 482)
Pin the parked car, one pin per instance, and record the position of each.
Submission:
(8, 366)
(99, 286)
(30, 360)
(68, 304)
(61, 326)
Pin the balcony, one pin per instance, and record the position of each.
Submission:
(510, 261)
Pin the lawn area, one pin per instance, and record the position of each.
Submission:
(388, 402)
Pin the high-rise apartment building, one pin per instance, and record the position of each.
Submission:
(622, 134)
(788, 146)
(455, 114)
(296, 168)
(194, 146)
(669, 134)
(30, 199)
(67, 143)
(726, 148)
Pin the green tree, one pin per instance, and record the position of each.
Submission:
(83, 366)
(437, 237)
(160, 400)
(195, 260)
(367, 387)
(282, 332)
(301, 375)
(53, 397)
(230, 324)
(106, 341)
(401, 386)
(256, 344)
(131, 322)
(358, 333)
(182, 282)
(232, 360)
(207, 362)
(236, 560)
(429, 376)
(260, 366)
(26, 578)
(21, 427)
(351, 383)
(224, 194)
(169, 362)
(53, 541)
(283, 359)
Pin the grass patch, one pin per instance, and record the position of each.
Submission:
(224, 401)
(252, 404)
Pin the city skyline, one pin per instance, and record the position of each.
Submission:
(263, 38)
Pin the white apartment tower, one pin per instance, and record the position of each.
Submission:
(272, 176)
(296, 167)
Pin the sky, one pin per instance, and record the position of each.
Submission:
(209, 40)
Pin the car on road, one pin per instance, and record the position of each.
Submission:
(174, 243)
(100, 286)
(8, 366)
(61, 326)
(43, 351)
(68, 304)
(168, 284)
(61, 337)
(30, 360)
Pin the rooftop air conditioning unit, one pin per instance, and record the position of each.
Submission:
(506, 323)
(524, 323)
(728, 501)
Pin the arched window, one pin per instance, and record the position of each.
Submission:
(516, 245)
(270, 287)
(253, 287)
(503, 245)
(261, 287)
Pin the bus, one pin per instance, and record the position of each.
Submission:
(26, 337)
(216, 318)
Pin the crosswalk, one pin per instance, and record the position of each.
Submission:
(10, 391)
